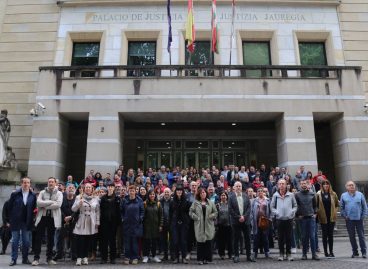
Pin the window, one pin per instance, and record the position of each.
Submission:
(85, 54)
(202, 55)
(142, 53)
(256, 53)
(312, 53)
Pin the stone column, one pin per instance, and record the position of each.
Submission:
(104, 147)
(350, 146)
(296, 143)
(48, 148)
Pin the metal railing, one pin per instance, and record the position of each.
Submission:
(209, 71)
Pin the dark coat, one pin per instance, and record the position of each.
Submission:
(234, 209)
(132, 214)
(110, 210)
(179, 211)
(5, 213)
(153, 219)
(18, 216)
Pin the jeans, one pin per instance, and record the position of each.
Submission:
(308, 234)
(131, 247)
(261, 236)
(352, 226)
(25, 234)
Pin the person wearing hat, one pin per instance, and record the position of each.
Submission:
(109, 220)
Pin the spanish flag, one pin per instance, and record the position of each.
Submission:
(189, 29)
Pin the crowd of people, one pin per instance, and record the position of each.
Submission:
(164, 215)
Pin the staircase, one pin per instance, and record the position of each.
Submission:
(340, 228)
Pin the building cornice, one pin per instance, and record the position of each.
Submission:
(73, 3)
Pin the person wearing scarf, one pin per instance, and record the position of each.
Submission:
(88, 222)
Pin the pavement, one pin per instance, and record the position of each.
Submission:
(342, 250)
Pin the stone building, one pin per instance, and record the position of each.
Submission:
(283, 113)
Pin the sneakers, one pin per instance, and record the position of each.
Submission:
(187, 257)
(35, 263)
(304, 257)
(355, 255)
(79, 262)
(85, 261)
(157, 259)
(290, 257)
(145, 259)
(135, 262)
(185, 261)
(364, 256)
(126, 261)
(315, 257)
(293, 250)
(280, 258)
(51, 262)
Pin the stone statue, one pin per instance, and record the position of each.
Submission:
(4, 135)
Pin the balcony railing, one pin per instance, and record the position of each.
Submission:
(208, 71)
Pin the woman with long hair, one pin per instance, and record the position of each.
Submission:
(327, 205)
(224, 238)
(88, 222)
(179, 224)
(152, 226)
(204, 213)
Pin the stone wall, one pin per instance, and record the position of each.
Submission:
(27, 41)
(354, 28)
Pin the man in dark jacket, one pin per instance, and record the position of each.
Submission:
(21, 206)
(239, 209)
(165, 233)
(5, 229)
(307, 209)
(110, 219)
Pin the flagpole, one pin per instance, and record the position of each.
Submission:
(169, 37)
(211, 60)
(232, 31)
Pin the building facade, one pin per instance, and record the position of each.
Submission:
(132, 102)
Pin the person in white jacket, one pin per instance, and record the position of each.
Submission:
(48, 217)
(88, 222)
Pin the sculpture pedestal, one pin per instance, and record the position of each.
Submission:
(9, 174)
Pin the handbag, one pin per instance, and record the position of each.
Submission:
(263, 223)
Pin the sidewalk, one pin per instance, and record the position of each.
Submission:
(342, 251)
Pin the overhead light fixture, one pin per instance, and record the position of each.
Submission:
(200, 143)
(138, 147)
(167, 143)
(232, 143)
(199, 147)
(229, 147)
(233, 124)
(163, 124)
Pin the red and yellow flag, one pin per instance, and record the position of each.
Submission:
(214, 43)
(189, 29)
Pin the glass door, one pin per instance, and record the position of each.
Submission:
(227, 158)
(204, 160)
(152, 160)
(190, 159)
(165, 159)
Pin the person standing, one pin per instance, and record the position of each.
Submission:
(191, 236)
(239, 209)
(354, 209)
(306, 212)
(327, 205)
(283, 207)
(204, 213)
(260, 208)
(165, 233)
(109, 220)
(132, 213)
(224, 238)
(152, 226)
(88, 222)
(20, 219)
(5, 229)
(48, 217)
(179, 223)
